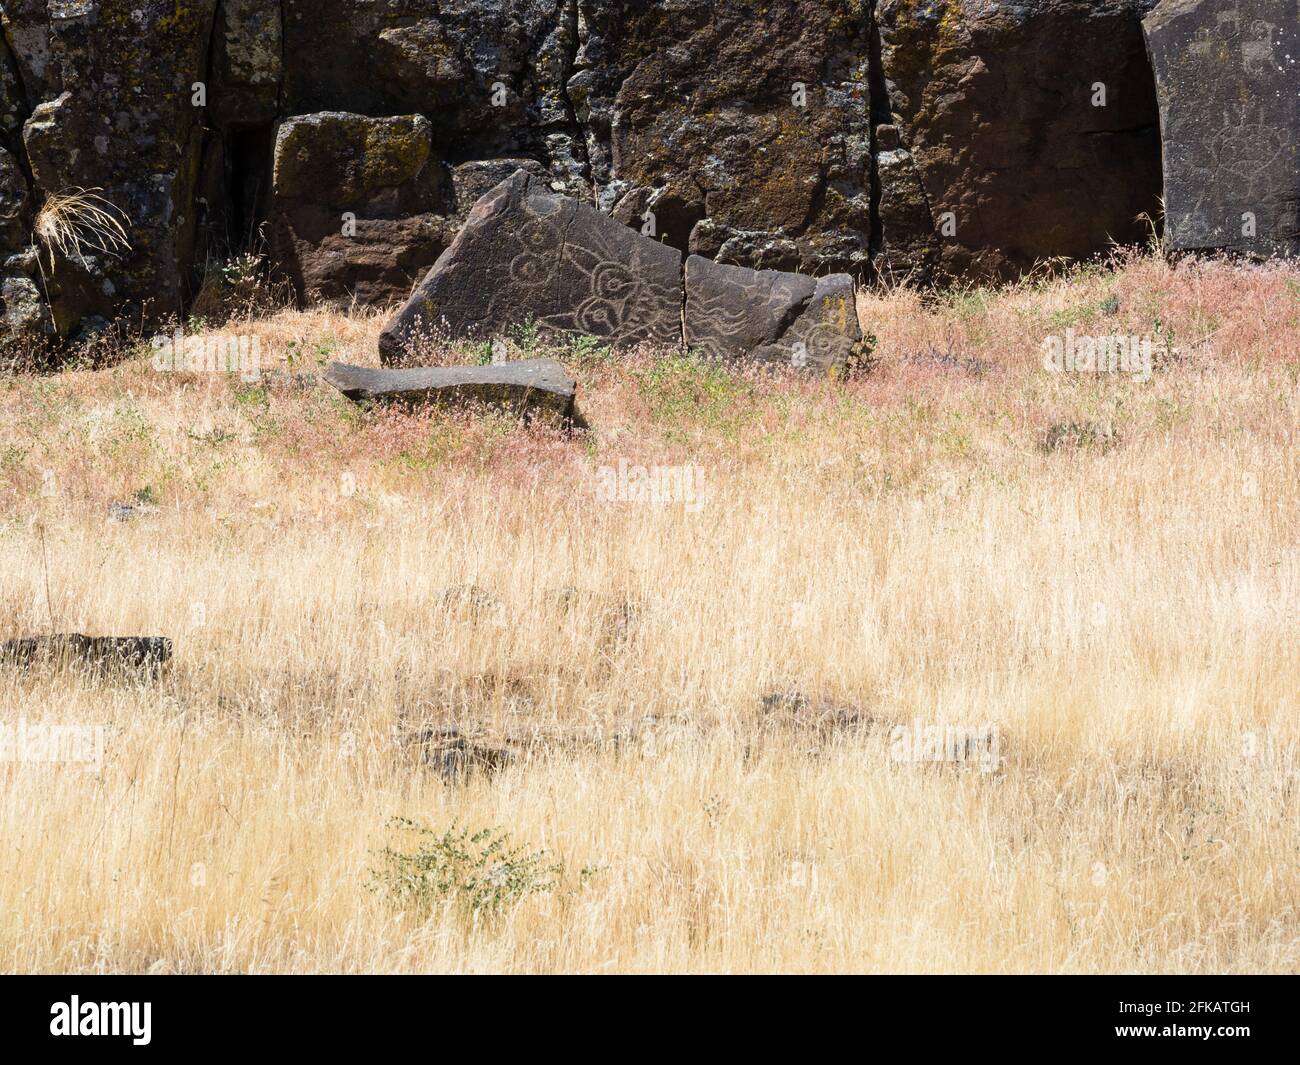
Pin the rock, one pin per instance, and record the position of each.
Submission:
(25, 311)
(490, 76)
(989, 117)
(908, 247)
(454, 756)
(357, 206)
(135, 654)
(248, 62)
(888, 139)
(130, 510)
(792, 708)
(1226, 76)
(768, 316)
(475, 179)
(750, 118)
(527, 254)
(471, 601)
(526, 387)
(15, 205)
(108, 87)
(1073, 435)
(613, 616)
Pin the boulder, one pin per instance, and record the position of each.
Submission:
(1012, 133)
(526, 387)
(25, 312)
(768, 316)
(357, 206)
(473, 180)
(1226, 76)
(527, 254)
(454, 756)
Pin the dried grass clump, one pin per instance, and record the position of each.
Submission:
(76, 221)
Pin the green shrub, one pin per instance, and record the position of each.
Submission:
(477, 871)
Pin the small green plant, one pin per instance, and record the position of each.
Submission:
(688, 388)
(477, 871)
(527, 335)
(589, 349)
(251, 396)
(146, 496)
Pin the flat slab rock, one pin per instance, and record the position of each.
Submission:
(143, 654)
(1226, 77)
(527, 254)
(527, 386)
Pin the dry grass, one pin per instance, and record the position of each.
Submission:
(1123, 607)
(74, 221)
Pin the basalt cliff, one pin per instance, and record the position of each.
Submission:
(345, 141)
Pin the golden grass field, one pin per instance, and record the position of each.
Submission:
(1123, 607)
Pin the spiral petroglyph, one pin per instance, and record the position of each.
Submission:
(529, 255)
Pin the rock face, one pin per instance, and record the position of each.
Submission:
(529, 386)
(742, 128)
(1031, 129)
(358, 206)
(105, 99)
(921, 139)
(1227, 73)
(527, 254)
(769, 316)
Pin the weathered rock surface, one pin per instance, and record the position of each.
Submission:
(527, 254)
(247, 58)
(489, 76)
(529, 386)
(454, 756)
(1227, 76)
(992, 105)
(770, 316)
(747, 122)
(358, 206)
(107, 103)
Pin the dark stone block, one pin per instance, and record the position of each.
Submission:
(1226, 75)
